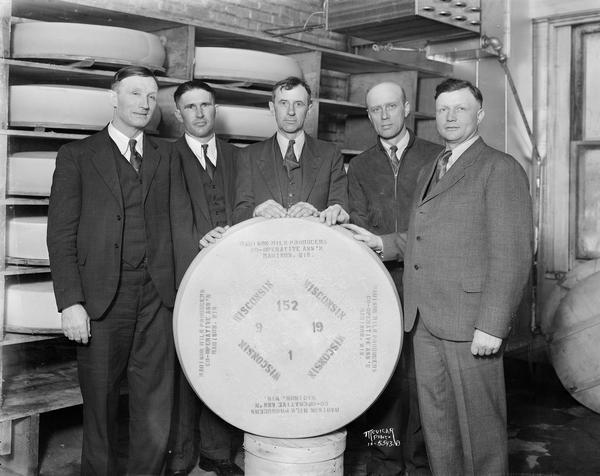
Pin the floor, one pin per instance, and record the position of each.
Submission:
(550, 433)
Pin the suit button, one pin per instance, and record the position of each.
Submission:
(416, 266)
(418, 237)
(116, 245)
(119, 217)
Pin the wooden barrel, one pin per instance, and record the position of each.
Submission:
(316, 456)
(573, 341)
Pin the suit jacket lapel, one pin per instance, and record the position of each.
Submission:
(191, 171)
(150, 162)
(224, 163)
(268, 163)
(310, 163)
(103, 159)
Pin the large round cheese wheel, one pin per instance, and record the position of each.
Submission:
(31, 307)
(287, 328)
(30, 173)
(236, 64)
(26, 237)
(245, 122)
(67, 107)
(76, 41)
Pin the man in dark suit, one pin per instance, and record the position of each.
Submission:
(468, 257)
(381, 185)
(111, 256)
(208, 167)
(291, 174)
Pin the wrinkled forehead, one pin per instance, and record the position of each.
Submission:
(297, 93)
(142, 83)
(383, 94)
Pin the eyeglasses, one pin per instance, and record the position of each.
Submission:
(389, 108)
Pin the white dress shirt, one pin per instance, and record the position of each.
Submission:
(122, 141)
(298, 144)
(196, 145)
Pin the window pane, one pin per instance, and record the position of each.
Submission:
(588, 204)
(591, 102)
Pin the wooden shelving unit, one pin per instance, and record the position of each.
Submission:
(35, 376)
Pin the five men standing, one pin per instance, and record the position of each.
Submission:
(128, 214)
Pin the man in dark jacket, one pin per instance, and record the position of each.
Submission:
(112, 262)
(208, 166)
(382, 183)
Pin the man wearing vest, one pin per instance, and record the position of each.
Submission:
(208, 167)
(381, 185)
(291, 174)
(111, 256)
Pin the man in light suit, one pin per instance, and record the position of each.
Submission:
(467, 260)
(112, 262)
(381, 185)
(208, 166)
(291, 174)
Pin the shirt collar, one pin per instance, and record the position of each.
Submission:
(122, 141)
(298, 144)
(196, 145)
(460, 149)
(401, 143)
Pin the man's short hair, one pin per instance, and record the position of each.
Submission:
(290, 83)
(452, 84)
(193, 84)
(129, 71)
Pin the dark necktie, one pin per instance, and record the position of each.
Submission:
(135, 159)
(208, 165)
(289, 161)
(394, 159)
(442, 164)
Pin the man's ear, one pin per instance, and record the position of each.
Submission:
(480, 116)
(178, 116)
(272, 107)
(406, 109)
(113, 98)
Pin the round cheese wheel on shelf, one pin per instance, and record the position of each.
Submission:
(235, 64)
(31, 307)
(26, 237)
(62, 106)
(30, 173)
(76, 41)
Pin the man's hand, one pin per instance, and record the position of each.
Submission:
(213, 236)
(485, 344)
(334, 214)
(76, 323)
(302, 210)
(372, 241)
(269, 209)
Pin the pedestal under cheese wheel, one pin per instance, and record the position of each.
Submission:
(64, 107)
(108, 45)
(30, 173)
(287, 328)
(236, 64)
(26, 237)
(30, 307)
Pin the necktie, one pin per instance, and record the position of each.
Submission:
(208, 165)
(394, 159)
(442, 163)
(135, 159)
(289, 161)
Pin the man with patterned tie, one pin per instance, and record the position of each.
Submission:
(468, 256)
(111, 257)
(381, 185)
(208, 166)
(291, 174)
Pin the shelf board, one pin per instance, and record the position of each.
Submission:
(14, 339)
(27, 261)
(15, 270)
(42, 134)
(44, 388)
(351, 151)
(26, 201)
(29, 72)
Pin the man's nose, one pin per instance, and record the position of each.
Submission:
(199, 112)
(451, 116)
(291, 110)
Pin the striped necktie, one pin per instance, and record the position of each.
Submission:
(135, 159)
(289, 161)
(394, 159)
(442, 164)
(208, 165)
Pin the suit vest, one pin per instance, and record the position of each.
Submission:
(133, 249)
(290, 184)
(215, 196)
